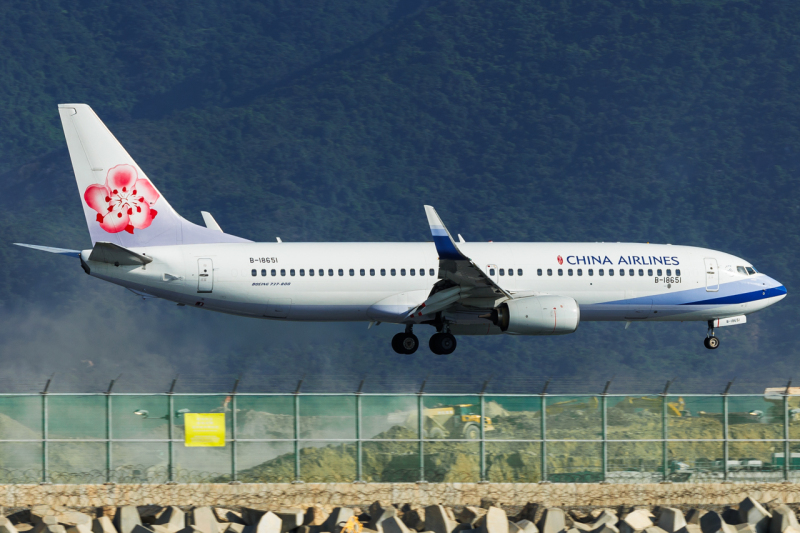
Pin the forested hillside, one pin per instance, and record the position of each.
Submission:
(555, 121)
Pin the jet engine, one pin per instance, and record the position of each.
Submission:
(538, 315)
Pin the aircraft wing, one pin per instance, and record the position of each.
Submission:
(462, 277)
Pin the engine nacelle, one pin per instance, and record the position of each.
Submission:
(538, 315)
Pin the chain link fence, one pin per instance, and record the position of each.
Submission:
(359, 437)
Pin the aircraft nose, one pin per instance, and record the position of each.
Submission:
(774, 288)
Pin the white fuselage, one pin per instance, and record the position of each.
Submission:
(383, 281)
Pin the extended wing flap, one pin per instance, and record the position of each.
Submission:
(108, 252)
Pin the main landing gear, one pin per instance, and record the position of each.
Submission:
(443, 343)
(711, 342)
(405, 342)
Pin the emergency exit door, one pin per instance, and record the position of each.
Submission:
(205, 275)
(712, 274)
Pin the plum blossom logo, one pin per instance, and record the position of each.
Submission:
(560, 260)
(124, 202)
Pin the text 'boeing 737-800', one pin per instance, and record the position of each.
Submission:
(460, 288)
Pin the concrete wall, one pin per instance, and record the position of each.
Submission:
(274, 496)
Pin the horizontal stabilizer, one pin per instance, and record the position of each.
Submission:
(108, 252)
(59, 251)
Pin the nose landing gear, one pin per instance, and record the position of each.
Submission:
(406, 342)
(711, 342)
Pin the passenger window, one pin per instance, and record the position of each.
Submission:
(491, 272)
(560, 271)
(310, 271)
(610, 271)
(352, 272)
(383, 272)
(421, 271)
(431, 272)
(669, 272)
(549, 271)
(412, 272)
(263, 271)
(283, 272)
(649, 271)
(621, 271)
(569, 272)
(362, 272)
(539, 271)
(321, 271)
(393, 272)
(341, 272)
(631, 272)
(254, 272)
(291, 272)
(591, 272)
(402, 271)
(658, 272)
(302, 271)
(600, 271)
(519, 272)
(502, 272)
(510, 271)
(580, 272)
(741, 270)
(371, 271)
(273, 272)
(641, 272)
(330, 272)
(677, 271)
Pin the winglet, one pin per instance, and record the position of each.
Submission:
(210, 222)
(445, 245)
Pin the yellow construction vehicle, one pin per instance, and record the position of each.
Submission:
(652, 404)
(452, 421)
(577, 404)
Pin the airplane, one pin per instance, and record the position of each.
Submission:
(460, 288)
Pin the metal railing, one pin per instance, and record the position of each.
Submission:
(518, 438)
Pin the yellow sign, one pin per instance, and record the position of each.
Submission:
(205, 429)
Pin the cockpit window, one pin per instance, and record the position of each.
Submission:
(751, 270)
(741, 270)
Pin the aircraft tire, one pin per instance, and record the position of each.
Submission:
(409, 343)
(705, 343)
(447, 343)
(712, 343)
(434, 345)
(397, 343)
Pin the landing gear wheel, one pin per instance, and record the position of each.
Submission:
(405, 343)
(712, 343)
(442, 343)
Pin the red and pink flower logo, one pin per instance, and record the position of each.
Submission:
(560, 260)
(124, 202)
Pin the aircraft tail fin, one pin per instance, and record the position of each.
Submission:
(120, 202)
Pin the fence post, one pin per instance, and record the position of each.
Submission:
(234, 431)
(664, 437)
(420, 434)
(297, 438)
(604, 404)
(109, 436)
(359, 447)
(171, 474)
(45, 463)
(544, 434)
(483, 439)
(725, 434)
(786, 420)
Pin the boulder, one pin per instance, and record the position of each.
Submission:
(605, 516)
(37, 512)
(338, 516)
(606, 528)
(7, 527)
(527, 526)
(290, 519)
(126, 519)
(438, 520)
(23, 528)
(731, 516)
(654, 529)
(470, 515)
(712, 522)
(171, 518)
(694, 516)
(552, 521)
(203, 518)
(691, 528)
(81, 528)
(103, 525)
(745, 528)
(414, 519)
(635, 521)
(394, 524)
(138, 528)
(752, 512)
(671, 519)
(494, 521)
(514, 528)
(57, 528)
(268, 523)
(529, 512)
(315, 516)
(251, 516)
(234, 527)
(782, 518)
(228, 515)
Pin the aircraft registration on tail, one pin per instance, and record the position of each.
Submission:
(459, 288)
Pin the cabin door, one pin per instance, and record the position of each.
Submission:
(712, 274)
(205, 275)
